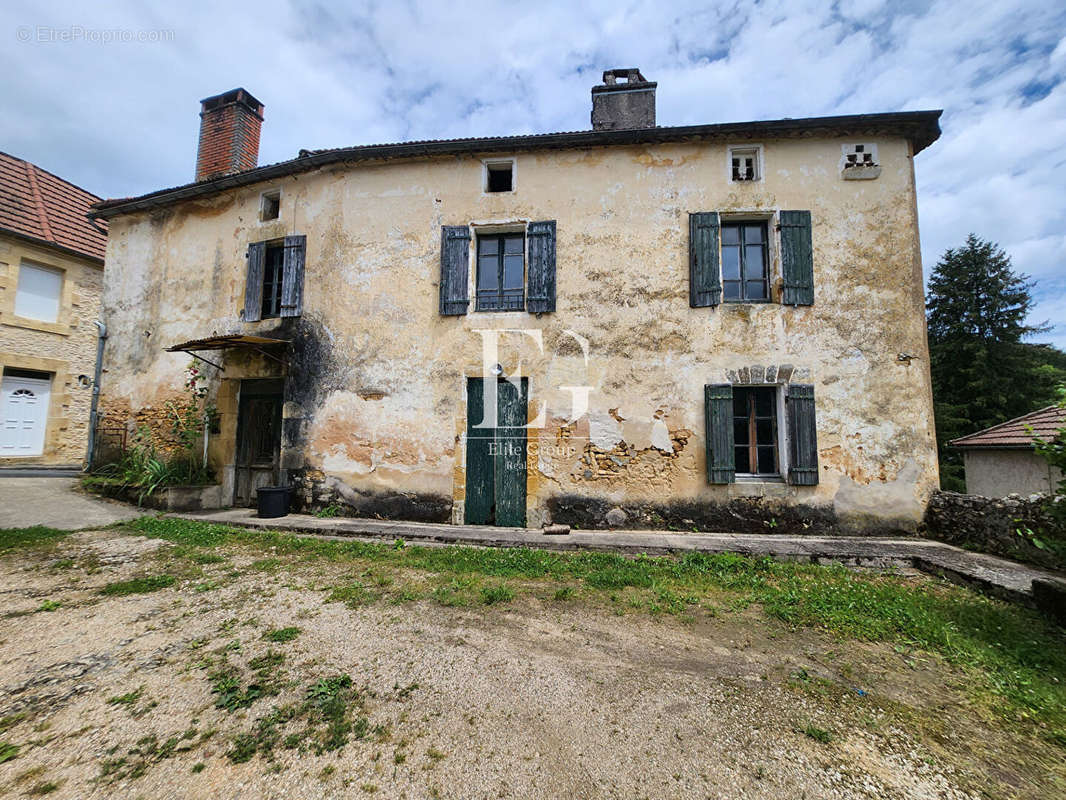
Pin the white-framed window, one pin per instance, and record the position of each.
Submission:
(499, 176)
(745, 163)
(270, 206)
(38, 293)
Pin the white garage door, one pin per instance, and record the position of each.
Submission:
(24, 411)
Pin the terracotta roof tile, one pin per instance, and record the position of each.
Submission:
(42, 206)
(1045, 423)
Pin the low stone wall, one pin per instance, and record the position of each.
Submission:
(1003, 526)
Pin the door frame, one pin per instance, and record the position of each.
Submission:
(496, 454)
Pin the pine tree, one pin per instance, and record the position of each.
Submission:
(983, 372)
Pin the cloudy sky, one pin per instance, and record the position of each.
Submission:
(121, 117)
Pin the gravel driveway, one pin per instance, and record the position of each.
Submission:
(125, 695)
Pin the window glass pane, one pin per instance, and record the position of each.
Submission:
(756, 290)
(731, 263)
(488, 246)
(741, 456)
(487, 273)
(730, 234)
(767, 461)
(764, 431)
(513, 244)
(752, 233)
(513, 272)
(764, 402)
(740, 403)
(732, 290)
(37, 295)
(753, 263)
(740, 431)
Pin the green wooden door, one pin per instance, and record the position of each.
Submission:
(496, 456)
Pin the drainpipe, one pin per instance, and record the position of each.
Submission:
(101, 337)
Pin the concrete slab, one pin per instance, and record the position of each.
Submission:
(53, 502)
(1006, 579)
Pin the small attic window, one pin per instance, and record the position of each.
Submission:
(499, 176)
(270, 206)
(744, 164)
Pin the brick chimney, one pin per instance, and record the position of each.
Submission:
(229, 134)
(625, 99)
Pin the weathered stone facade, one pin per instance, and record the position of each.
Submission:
(62, 350)
(375, 411)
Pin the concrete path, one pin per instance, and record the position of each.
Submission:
(998, 576)
(53, 502)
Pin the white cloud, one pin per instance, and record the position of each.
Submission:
(121, 118)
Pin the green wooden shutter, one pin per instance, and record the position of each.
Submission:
(479, 443)
(292, 276)
(253, 287)
(803, 435)
(540, 276)
(704, 274)
(510, 461)
(454, 269)
(718, 407)
(797, 258)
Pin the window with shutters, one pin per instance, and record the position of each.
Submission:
(273, 273)
(745, 262)
(501, 272)
(755, 436)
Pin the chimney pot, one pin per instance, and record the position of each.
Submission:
(229, 134)
(625, 99)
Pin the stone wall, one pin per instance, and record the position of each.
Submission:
(1001, 526)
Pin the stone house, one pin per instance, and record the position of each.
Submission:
(718, 326)
(1001, 460)
(51, 279)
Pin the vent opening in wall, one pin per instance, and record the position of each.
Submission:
(744, 163)
(499, 176)
(270, 206)
(859, 161)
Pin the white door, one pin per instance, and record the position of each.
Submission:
(24, 412)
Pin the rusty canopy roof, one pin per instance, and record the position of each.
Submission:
(44, 208)
(1044, 423)
(228, 341)
(921, 128)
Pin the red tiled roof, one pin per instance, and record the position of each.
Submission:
(1045, 424)
(39, 205)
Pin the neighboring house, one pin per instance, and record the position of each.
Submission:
(51, 279)
(716, 325)
(1001, 460)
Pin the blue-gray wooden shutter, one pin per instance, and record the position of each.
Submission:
(704, 273)
(803, 436)
(540, 276)
(292, 276)
(718, 407)
(454, 269)
(797, 258)
(253, 287)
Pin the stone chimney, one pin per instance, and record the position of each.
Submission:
(229, 134)
(626, 99)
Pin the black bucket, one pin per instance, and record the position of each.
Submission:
(273, 501)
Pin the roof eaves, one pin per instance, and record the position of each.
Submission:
(921, 127)
(52, 245)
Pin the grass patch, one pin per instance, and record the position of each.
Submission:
(8, 751)
(353, 595)
(818, 734)
(49, 605)
(44, 787)
(151, 583)
(282, 634)
(1015, 660)
(37, 536)
(498, 593)
(232, 693)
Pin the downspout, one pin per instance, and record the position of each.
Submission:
(101, 337)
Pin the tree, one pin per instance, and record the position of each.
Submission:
(983, 372)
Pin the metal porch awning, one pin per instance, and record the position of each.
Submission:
(232, 341)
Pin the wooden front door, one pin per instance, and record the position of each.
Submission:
(496, 454)
(258, 439)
